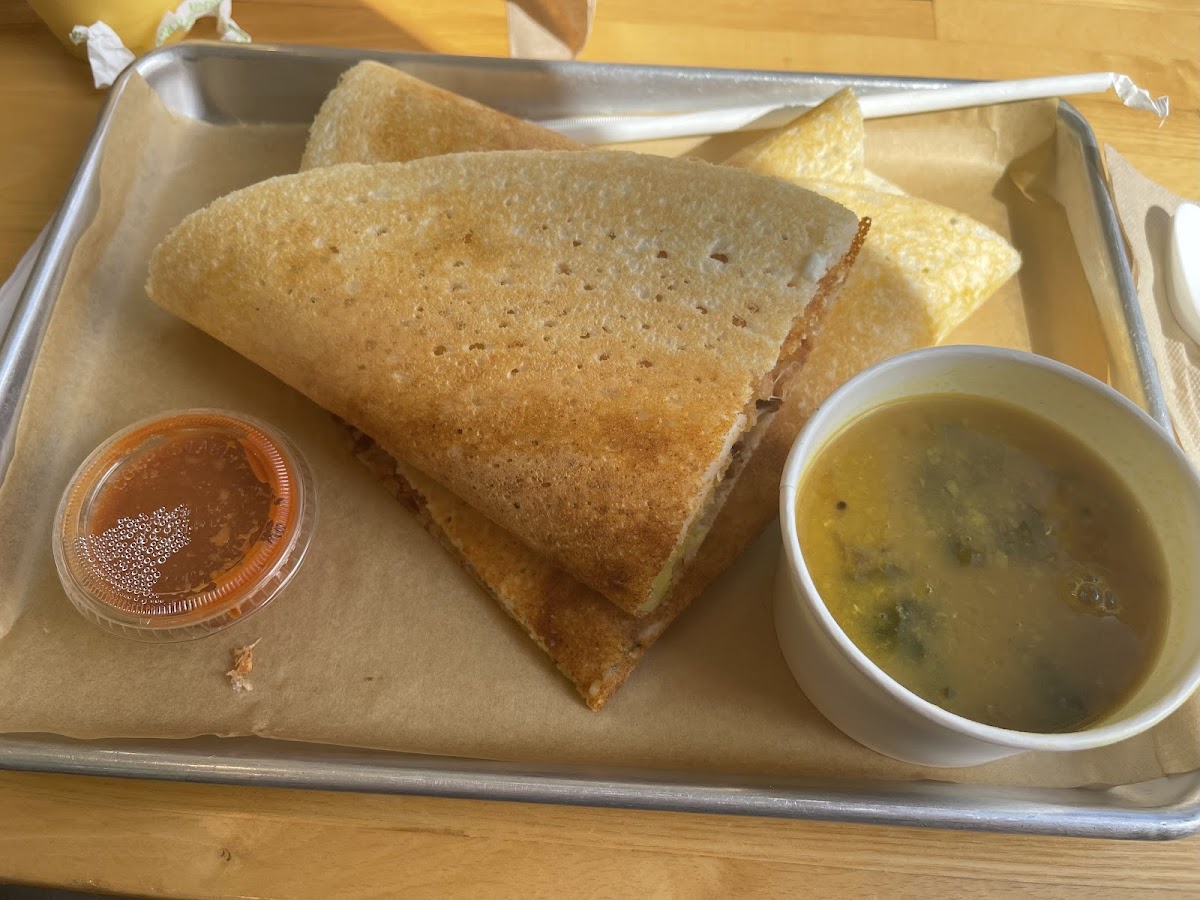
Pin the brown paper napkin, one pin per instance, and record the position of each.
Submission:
(1145, 210)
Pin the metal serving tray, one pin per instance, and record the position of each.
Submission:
(221, 84)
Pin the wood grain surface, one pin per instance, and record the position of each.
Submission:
(204, 841)
(199, 841)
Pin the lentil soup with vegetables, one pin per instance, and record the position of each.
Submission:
(986, 560)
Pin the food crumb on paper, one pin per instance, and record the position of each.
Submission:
(243, 665)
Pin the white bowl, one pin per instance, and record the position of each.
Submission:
(855, 694)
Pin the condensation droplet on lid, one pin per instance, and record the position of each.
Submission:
(126, 556)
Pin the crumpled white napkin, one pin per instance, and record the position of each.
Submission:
(108, 56)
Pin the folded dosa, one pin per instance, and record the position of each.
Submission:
(380, 114)
(925, 269)
(576, 344)
(826, 143)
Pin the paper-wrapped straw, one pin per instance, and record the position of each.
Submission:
(612, 129)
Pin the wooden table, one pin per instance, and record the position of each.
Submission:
(193, 840)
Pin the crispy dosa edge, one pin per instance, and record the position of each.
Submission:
(380, 114)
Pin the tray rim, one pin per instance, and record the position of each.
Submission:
(881, 802)
(1058, 812)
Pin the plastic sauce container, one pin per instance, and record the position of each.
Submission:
(183, 524)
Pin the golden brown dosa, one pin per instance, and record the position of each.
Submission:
(577, 344)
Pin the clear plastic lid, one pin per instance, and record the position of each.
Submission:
(184, 524)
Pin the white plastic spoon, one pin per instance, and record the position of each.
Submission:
(1185, 269)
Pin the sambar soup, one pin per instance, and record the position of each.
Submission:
(986, 560)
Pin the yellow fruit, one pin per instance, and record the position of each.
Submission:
(134, 21)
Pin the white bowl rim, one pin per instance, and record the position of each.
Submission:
(1088, 738)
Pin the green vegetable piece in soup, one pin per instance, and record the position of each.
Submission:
(904, 627)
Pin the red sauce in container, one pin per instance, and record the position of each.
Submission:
(183, 524)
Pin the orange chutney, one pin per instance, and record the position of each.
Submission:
(190, 521)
